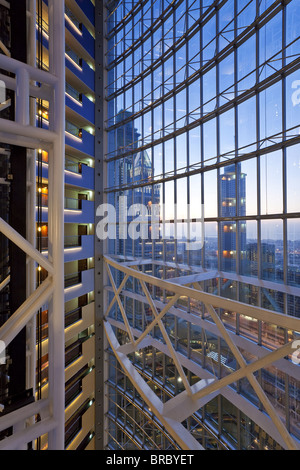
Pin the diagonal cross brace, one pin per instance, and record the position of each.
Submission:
(252, 379)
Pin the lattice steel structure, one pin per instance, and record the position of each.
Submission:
(26, 84)
(202, 120)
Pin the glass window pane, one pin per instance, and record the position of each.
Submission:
(210, 194)
(270, 102)
(272, 250)
(247, 126)
(293, 178)
(293, 252)
(248, 247)
(271, 183)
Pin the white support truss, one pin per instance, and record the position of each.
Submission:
(46, 416)
(187, 402)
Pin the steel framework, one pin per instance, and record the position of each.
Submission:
(29, 84)
(172, 413)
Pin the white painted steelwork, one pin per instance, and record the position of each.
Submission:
(30, 83)
(183, 405)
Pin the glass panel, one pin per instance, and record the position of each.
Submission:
(211, 245)
(247, 126)
(210, 194)
(249, 173)
(293, 178)
(270, 102)
(271, 183)
(248, 248)
(293, 251)
(272, 250)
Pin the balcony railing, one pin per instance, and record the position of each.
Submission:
(70, 318)
(75, 167)
(70, 203)
(72, 279)
(74, 93)
(73, 204)
(70, 241)
(74, 130)
(73, 316)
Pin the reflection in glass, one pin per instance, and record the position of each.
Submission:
(272, 250)
(271, 183)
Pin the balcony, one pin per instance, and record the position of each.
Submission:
(76, 211)
(83, 39)
(82, 35)
(73, 316)
(83, 144)
(76, 320)
(76, 174)
(79, 212)
(88, 9)
(78, 141)
(69, 242)
(78, 284)
(72, 279)
(84, 108)
(77, 247)
(83, 251)
(82, 71)
(80, 175)
(79, 320)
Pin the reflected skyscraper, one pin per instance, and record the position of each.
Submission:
(233, 204)
(134, 172)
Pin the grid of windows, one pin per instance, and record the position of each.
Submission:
(203, 121)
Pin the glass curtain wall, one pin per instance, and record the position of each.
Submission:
(203, 121)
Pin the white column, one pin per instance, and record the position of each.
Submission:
(31, 202)
(56, 226)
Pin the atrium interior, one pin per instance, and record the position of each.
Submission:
(149, 225)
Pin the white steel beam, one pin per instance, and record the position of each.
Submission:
(56, 351)
(241, 341)
(176, 429)
(27, 247)
(117, 292)
(167, 339)
(22, 414)
(268, 316)
(28, 434)
(248, 408)
(126, 322)
(4, 283)
(253, 381)
(26, 311)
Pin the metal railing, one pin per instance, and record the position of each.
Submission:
(70, 241)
